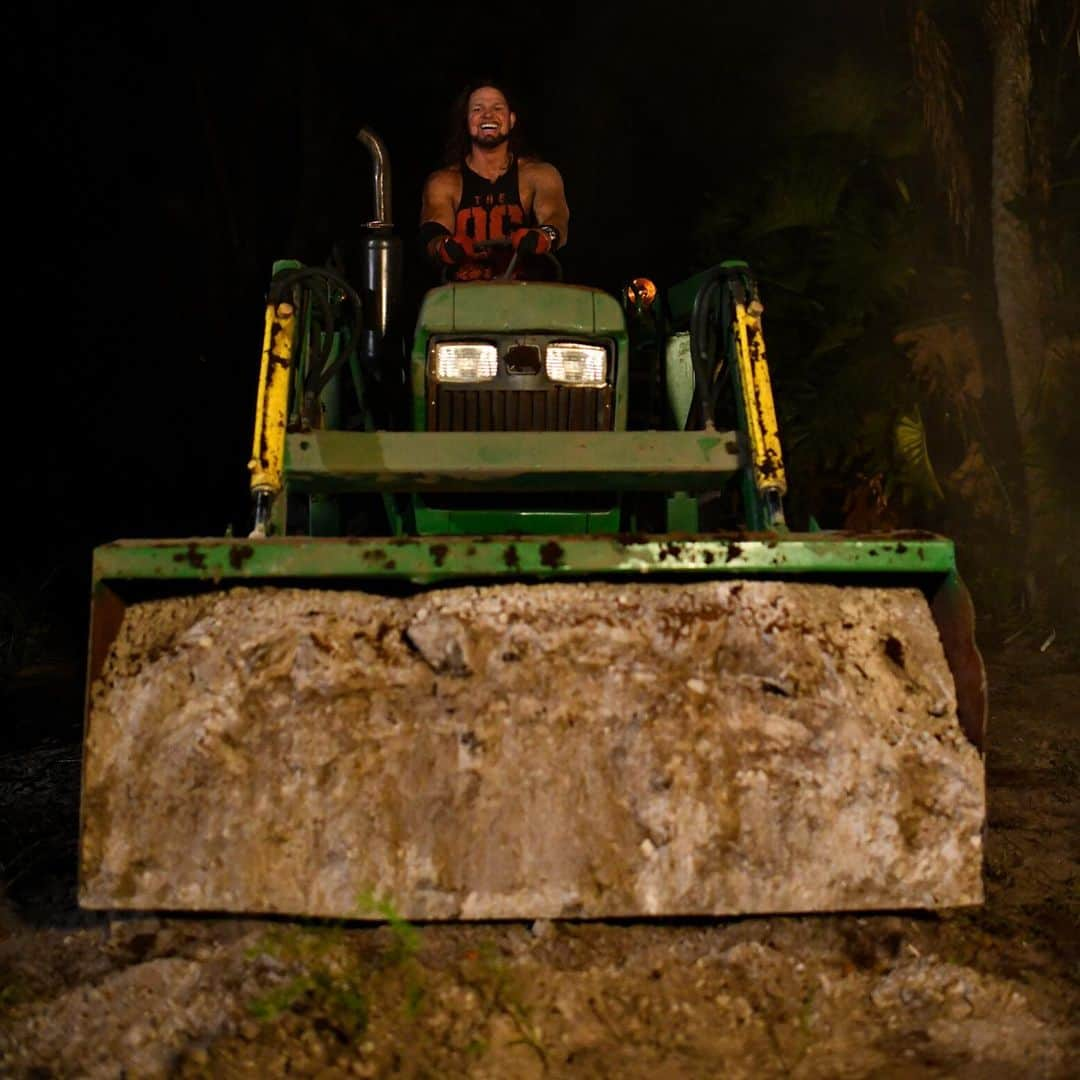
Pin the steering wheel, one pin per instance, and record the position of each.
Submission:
(507, 274)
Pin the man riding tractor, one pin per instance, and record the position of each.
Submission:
(493, 207)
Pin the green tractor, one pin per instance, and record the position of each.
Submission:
(520, 631)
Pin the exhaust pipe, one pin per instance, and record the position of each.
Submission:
(381, 163)
(380, 282)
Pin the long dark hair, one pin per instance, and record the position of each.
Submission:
(459, 143)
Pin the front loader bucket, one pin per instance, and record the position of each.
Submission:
(526, 728)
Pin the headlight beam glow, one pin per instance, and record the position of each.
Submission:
(576, 365)
(465, 361)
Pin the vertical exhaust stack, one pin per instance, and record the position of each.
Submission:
(381, 163)
(380, 270)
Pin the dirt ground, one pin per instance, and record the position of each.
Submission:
(985, 992)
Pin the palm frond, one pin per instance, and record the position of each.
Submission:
(913, 455)
(800, 191)
(943, 112)
(945, 358)
(847, 97)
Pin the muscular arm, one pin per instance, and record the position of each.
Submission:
(549, 199)
(440, 198)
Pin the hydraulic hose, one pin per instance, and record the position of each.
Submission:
(707, 340)
(320, 375)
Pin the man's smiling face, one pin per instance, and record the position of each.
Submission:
(489, 117)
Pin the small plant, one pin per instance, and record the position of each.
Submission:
(403, 951)
(298, 942)
(269, 1006)
(406, 936)
(492, 979)
(326, 979)
(336, 997)
(327, 984)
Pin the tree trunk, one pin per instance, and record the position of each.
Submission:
(1016, 278)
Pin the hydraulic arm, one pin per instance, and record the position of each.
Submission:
(271, 413)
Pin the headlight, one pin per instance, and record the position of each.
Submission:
(579, 365)
(460, 361)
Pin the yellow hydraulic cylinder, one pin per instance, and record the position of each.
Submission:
(268, 447)
(758, 407)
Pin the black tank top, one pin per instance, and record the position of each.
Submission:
(491, 209)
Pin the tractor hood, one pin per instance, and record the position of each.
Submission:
(497, 306)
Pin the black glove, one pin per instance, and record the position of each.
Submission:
(535, 241)
(445, 248)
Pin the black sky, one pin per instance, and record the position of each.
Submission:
(159, 159)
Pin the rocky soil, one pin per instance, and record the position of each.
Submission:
(987, 992)
(583, 750)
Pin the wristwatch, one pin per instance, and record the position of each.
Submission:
(552, 234)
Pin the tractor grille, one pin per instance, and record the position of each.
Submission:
(557, 408)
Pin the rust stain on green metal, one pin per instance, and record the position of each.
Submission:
(551, 554)
(507, 557)
(240, 555)
(191, 554)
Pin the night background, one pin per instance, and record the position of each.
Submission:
(903, 176)
(162, 158)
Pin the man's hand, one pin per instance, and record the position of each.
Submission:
(533, 241)
(454, 250)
